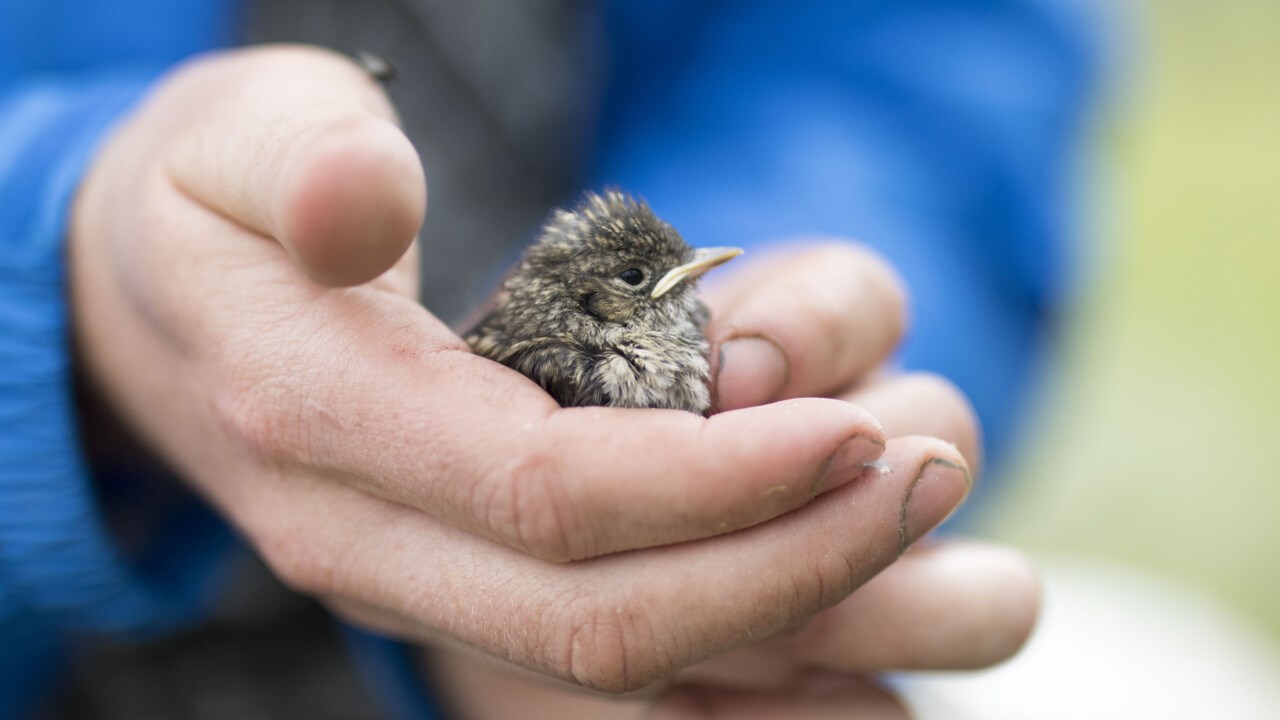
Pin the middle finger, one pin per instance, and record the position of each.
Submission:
(802, 324)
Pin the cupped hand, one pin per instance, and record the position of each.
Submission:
(822, 318)
(243, 281)
(942, 606)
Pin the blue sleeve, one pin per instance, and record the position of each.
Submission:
(58, 569)
(68, 70)
(941, 133)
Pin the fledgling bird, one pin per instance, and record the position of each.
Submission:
(602, 310)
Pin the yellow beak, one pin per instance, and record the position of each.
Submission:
(703, 260)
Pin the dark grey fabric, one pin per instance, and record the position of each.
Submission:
(266, 654)
(497, 97)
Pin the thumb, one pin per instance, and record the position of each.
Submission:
(304, 149)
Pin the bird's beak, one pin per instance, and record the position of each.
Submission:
(703, 260)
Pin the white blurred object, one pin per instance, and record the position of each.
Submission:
(1115, 644)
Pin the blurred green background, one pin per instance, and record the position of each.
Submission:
(1155, 445)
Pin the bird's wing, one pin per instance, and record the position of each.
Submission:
(560, 365)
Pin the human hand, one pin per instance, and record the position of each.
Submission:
(947, 605)
(944, 606)
(416, 488)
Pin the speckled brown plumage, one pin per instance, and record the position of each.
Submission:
(602, 310)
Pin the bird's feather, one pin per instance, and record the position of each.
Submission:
(569, 321)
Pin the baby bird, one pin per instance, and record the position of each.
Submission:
(602, 310)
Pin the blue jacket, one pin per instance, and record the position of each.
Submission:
(943, 133)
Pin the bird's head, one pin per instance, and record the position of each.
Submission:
(621, 262)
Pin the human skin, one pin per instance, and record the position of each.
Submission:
(244, 282)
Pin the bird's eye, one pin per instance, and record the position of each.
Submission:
(631, 276)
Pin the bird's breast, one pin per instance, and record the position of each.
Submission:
(655, 369)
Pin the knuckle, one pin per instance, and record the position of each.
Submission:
(832, 578)
(265, 419)
(835, 577)
(835, 574)
(526, 506)
(610, 647)
(297, 563)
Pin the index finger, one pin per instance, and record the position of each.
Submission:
(412, 416)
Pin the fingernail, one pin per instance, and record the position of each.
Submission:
(848, 462)
(938, 490)
(751, 371)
